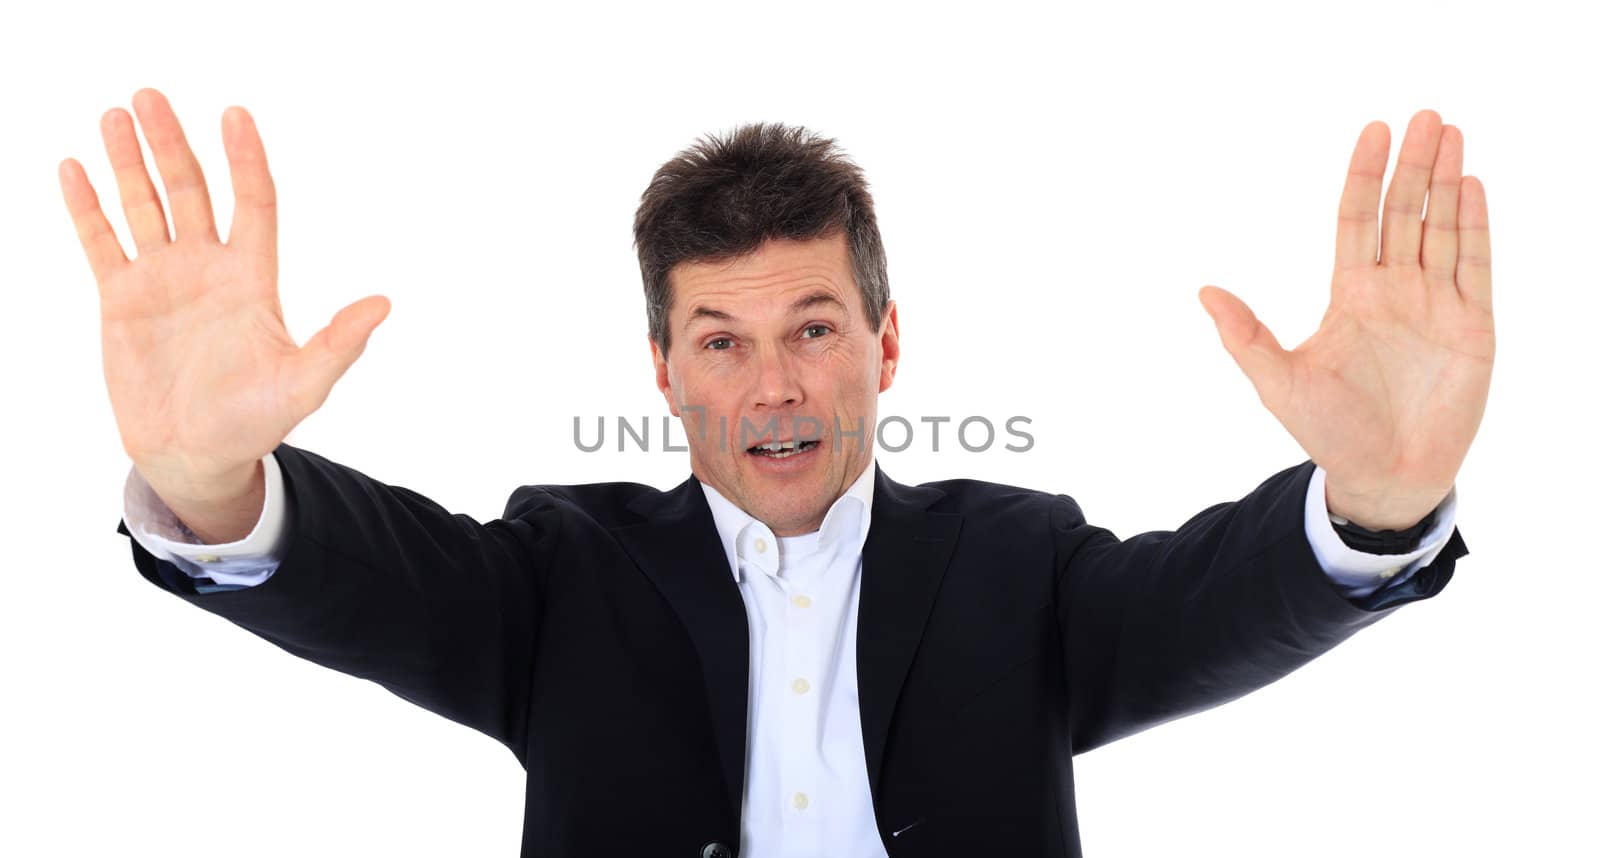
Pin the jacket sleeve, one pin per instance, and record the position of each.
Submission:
(381, 583)
(1169, 623)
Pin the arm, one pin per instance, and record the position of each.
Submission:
(205, 383)
(1168, 623)
(1387, 395)
(379, 582)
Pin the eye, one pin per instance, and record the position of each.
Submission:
(720, 344)
(822, 329)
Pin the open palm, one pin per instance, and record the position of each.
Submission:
(1389, 392)
(203, 376)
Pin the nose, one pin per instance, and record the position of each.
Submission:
(777, 385)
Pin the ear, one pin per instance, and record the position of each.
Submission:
(663, 376)
(890, 341)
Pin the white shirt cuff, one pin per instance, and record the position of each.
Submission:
(1359, 573)
(247, 561)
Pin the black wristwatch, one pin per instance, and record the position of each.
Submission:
(1382, 541)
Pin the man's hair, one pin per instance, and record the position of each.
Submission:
(723, 196)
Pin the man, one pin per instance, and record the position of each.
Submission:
(789, 653)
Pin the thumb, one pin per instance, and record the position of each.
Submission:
(1251, 345)
(325, 357)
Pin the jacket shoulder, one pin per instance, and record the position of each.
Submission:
(606, 503)
(982, 500)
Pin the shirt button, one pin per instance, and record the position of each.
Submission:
(1388, 573)
(801, 601)
(801, 686)
(800, 801)
(206, 558)
(761, 545)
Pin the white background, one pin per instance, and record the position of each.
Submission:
(1054, 186)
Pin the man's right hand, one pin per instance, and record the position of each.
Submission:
(203, 376)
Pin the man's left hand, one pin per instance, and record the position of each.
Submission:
(1388, 394)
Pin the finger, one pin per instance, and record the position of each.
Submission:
(1251, 345)
(328, 354)
(99, 242)
(1472, 265)
(1439, 234)
(147, 220)
(255, 200)
(180, 172)
(1408, 188)
(1357, 243)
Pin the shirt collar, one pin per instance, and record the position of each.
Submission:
(844, 526)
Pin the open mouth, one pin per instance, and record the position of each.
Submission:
(782, 449)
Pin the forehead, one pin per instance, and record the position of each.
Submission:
(771, 273)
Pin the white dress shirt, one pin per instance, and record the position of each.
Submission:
(806, 789)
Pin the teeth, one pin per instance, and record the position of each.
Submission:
(782, 449)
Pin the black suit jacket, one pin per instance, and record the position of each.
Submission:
(597, 631)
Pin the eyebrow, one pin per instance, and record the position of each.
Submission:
(804, 302)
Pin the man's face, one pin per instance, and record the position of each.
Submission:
(775, 347)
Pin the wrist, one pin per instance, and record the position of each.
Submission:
(192, 487)
(219, 512)
(1380, 512)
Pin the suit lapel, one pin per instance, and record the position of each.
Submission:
(678, 548)
(902, 564)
